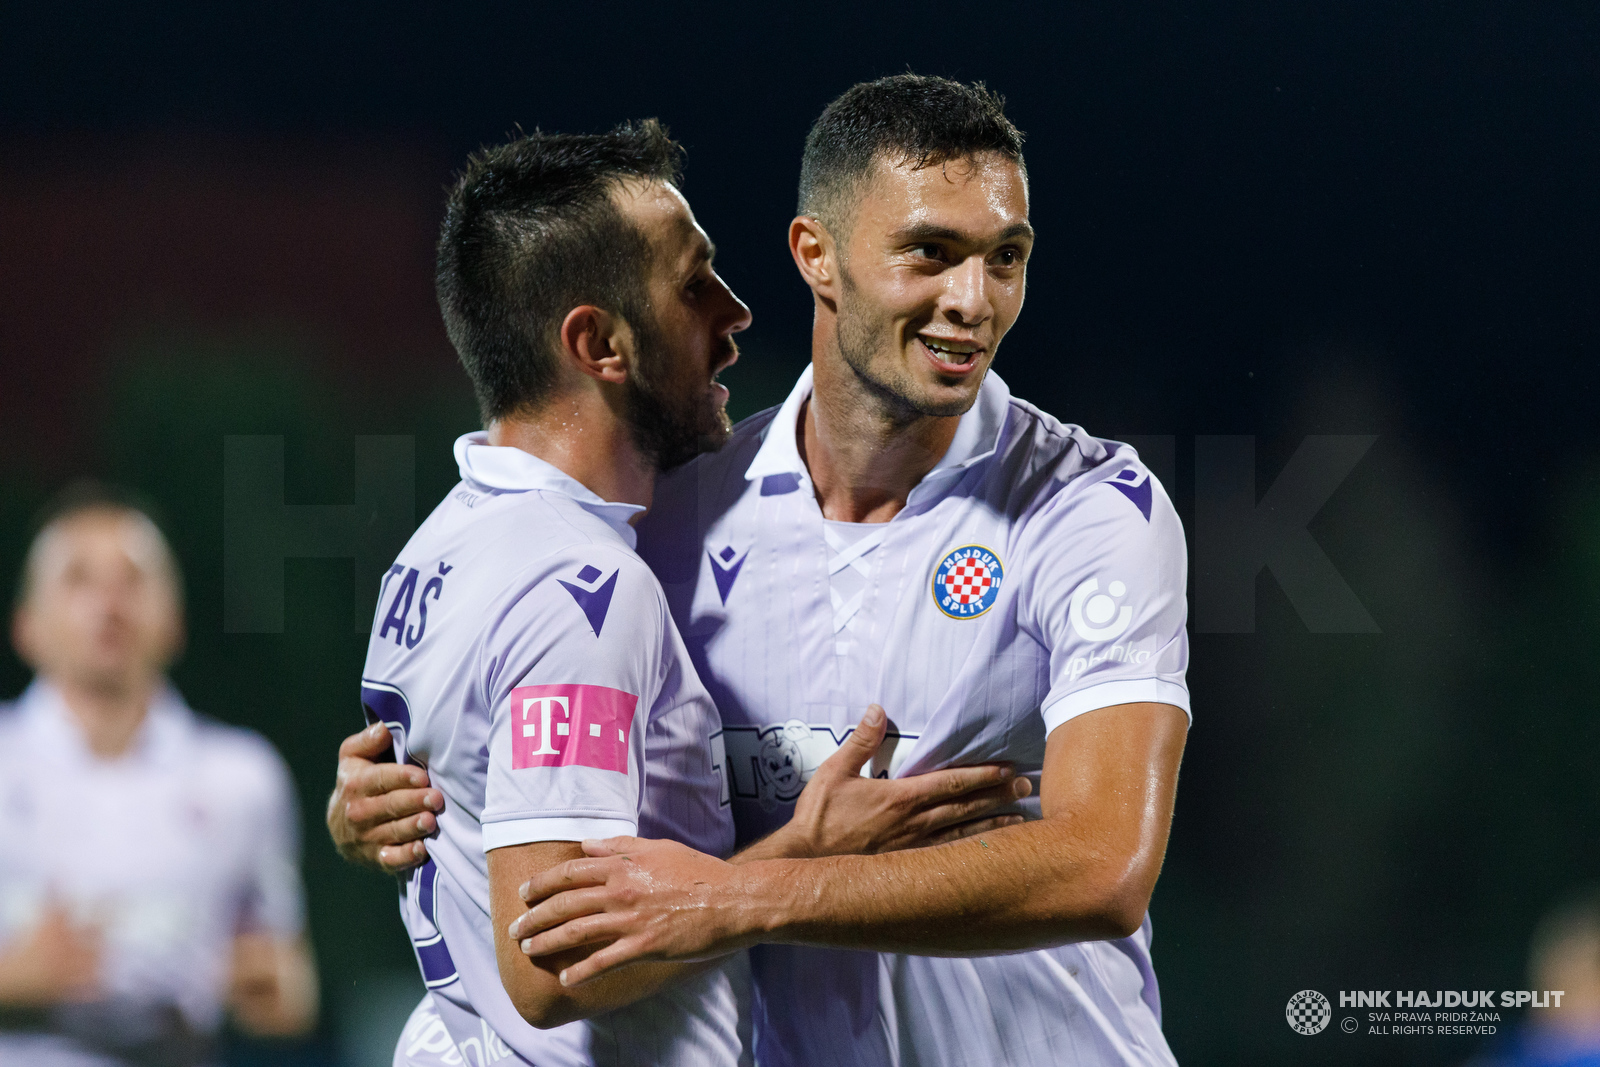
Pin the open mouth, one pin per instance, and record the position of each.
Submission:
(950, 356)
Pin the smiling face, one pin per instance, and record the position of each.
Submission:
(676, 405)
(931, 276)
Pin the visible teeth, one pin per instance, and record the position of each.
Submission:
(950, 353)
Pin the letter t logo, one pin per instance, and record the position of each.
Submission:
(543, 730)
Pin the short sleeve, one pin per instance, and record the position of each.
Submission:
(572, 668)
(1106, 593)
(274, 896)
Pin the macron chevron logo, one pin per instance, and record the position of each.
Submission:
(595, 602)
(726, 573)
(1134, 486)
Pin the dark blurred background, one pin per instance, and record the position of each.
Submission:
(1273, 219)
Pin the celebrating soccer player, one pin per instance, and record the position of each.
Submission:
(902, 529)
(525, 655)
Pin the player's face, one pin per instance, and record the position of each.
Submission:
(932, 277)
(677, 407)
(102, 610)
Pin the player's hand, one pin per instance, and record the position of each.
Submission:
(840, 813)
(379, 813)
(54, 963)
(652, 900)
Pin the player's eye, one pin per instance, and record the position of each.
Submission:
(929, 251)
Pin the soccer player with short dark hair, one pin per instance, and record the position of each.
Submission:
(524, 655)
(1009, 587)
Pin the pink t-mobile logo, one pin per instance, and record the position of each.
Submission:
(571, 726)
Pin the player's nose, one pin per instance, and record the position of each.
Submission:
(966, 293)
(737, 316)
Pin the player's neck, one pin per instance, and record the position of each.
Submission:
(587, 441)
(864, 458)
(109, 714)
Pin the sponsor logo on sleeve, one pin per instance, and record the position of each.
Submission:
(966, 582)
(571, 726)
(1096, 615)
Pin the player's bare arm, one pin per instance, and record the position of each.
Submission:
(379, 813)
(534, 985)
(1083, 872)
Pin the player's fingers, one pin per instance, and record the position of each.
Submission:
(402, 831)
(366, 813)
(972, 829)
(398, 859)
(581, 932)
(860, 746)
(969, 806)
(617, 954)
(377, 778)
(936, 787)
(368, 744)
(564, 907)
(573, 874)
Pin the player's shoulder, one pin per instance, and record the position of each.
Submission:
(607, 584)
(1071, 475)
(512, 541)
(243, 758)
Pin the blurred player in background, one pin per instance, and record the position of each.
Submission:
(523, 652)
(149, 875)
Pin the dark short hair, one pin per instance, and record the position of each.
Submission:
(530, 232)
(907, 118)
(81, 497)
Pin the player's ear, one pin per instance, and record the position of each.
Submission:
(597, 343)
(815, 253)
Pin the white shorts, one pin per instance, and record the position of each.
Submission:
(425, 1042)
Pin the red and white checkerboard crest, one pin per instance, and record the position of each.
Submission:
(966, 582)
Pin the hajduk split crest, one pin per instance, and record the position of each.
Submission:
(966, 582)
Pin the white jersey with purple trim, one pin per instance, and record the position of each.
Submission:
(523, 653)
(184, 841)
(1037, 573)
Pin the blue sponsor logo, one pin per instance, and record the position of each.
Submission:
(966, 582)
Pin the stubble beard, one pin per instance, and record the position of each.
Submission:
(670, 425)
(862, 335)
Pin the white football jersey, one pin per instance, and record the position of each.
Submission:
(523, 653)
(171, 849)
(1037, 573)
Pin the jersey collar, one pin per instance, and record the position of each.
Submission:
(977, 437)
(511, 470)
(159, 740)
